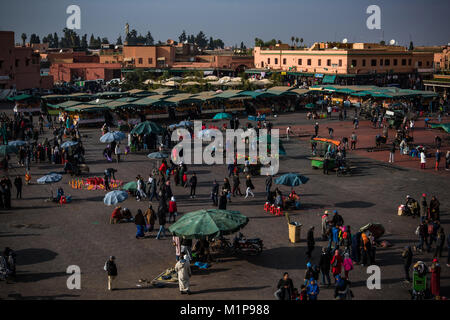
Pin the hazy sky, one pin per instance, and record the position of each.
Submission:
(426, 22)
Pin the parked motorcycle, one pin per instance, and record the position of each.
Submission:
(239, 245)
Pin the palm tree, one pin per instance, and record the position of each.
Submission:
(296, 41)
(24, 37)
(301, 41)
(292, 40)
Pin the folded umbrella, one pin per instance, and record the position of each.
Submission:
(291, 179)
(157, 155)
(17, 143)
(50, 178)
(114, 197)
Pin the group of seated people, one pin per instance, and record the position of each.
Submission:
(121, 215)
(291, 202)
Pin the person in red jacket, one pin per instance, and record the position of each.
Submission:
(336, 264)
(163, 167)
(116, 215)
(172, 209)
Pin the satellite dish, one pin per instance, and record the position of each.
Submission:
(345, 40)
(392, 42)
(97, 100)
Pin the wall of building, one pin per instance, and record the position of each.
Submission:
(86, 71)
(341, 61)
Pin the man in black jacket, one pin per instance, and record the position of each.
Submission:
(324, 265)
(268, 185)
(18, 184)
(310, 242)
(285, 288)
(407, 257)
(215, 193)
(162, 211)
(111, 268)
(193, 184)
(223, 201)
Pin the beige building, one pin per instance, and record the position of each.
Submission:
(342, 59)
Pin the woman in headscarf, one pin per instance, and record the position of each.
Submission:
(336, 263)
(183, 270)
(434, 208)
(435, 270)
(365, 249)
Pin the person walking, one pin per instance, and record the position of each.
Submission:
(447, 160)
(407, 256)
(150, 217)
(139, 221)
(423, 160)
(435, 286)
(310, 242)
(177, 244)
(312, 290)
(423, 207)
(222, 203)
(162, 211)
(440, 241)
(172, 209)
(183, 269)
(117, 152)
(347, 264)
(236, 185)
(325, 225)
(316, 129)
(392, 153)
(268, 184)
(215, 193)
(438, 155)
(324, 265)
(353, 140)
(18, 184)
(111, 269)
(250, 187)
(336, 263)
(285, 288)
(193, 184)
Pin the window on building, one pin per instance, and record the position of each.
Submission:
(373, 62)
(395, 62)
(262, 64)
(27, 62)
(309, 62)
(409, 62)
(140, 60)
(420, 63)
(299, 62)
(364, 62)
(17, 63)
(428, 63)
(319, 62)
(381, 62)
(340, 62)
(387, 62)
(150, 60)
(354, 63)
(268, 60)
(284, 60)
(403, 62)
(1, 64)
(276, 60)
(328, 62)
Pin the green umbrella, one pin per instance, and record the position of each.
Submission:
(6, 149)
(222, 115)
(208, 223)
(130, 186)
(147, 127)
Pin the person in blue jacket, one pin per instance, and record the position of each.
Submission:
(312, 289)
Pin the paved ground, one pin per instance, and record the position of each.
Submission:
(48, 237)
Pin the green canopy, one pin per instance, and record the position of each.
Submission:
(328, 79)
(20, 97)
(208, 223)
(147, 127)
(130, 186)
(222, 116)
(443, 126)
(6, 149)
